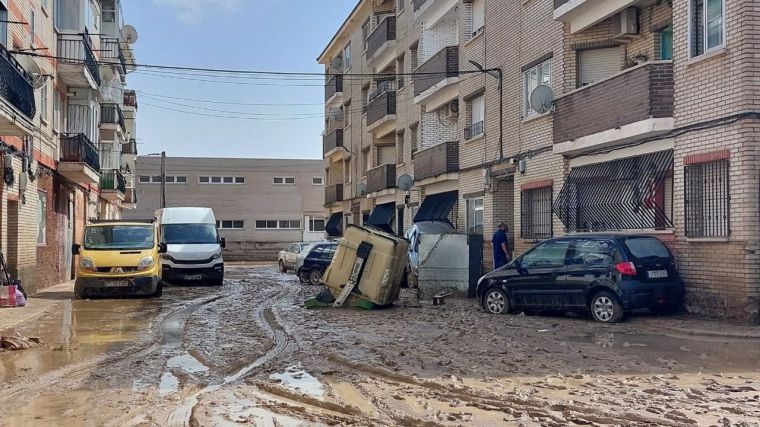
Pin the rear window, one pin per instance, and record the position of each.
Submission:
(646, 247)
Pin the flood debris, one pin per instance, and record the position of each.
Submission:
(17, 342)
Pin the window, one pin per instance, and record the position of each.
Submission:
(231, 224)
(474, 217)
(536, 76)
(414, 56)
(219, 180)
(316, 225)
(290, 224)
(31, 29)
(216, 179)
(598, 64)
(176, 179)
(365, 161)
(290, 180)
(317, 180)
(282, 224)
(536, 213)
(228, 180)
(399, 6)
(347, 57)
(365, 33)
(400, 147)
(156, 179)
(666, 43)
(41, 218)
(204, 180)
(170, 180)
(239, 180)
(400, 71)
(478, 16)
(46, 4)
(144, 179)
(706, 25)
(3, 25)
(365, 98)
(707, 199)
(347, 113)
(56, 112)
(593, 252)
(181, 180)
(477, 113)
(546, 255)
(413, 137)
(279, 180)
(44, 102)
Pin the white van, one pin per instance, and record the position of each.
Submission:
(194, 249)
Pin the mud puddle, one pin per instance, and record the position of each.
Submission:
(301, 381)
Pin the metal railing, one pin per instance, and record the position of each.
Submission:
(77, 148)
(382, 87)
(15, 84)
(706, 199)
(334, 85)
(111, 113)
(536, 213)
(333, 193)
(129, 147)
(332, 141)
(385, 32)
(112, 179)
(381, 106)
(474, 130)
(77, 49)
(110, 48)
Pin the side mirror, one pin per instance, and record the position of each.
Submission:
(223, 242)
(162, 248)
(75, 249)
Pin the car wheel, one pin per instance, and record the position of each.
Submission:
(495, 300)
(303, 276)
(283, 269)
(159, 289)
(315, 277)
(606, 308)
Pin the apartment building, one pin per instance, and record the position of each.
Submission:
(261, 205)
(64, 66)
(555, 117)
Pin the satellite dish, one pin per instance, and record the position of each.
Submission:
(405, 182)
(361, 190)
(129, 34)
(542, 99)
(33, 69)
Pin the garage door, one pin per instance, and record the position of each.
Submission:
(597, 64)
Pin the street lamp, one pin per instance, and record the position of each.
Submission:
(163, 176)
(498, 75)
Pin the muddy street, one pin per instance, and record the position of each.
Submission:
(249, 353)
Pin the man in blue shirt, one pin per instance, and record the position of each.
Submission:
(500, 246)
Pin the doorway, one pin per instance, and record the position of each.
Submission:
(13, 238)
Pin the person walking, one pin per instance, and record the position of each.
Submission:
(500, 242)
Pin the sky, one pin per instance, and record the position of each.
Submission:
(267, 35)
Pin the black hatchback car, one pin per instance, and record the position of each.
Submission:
(316, 262)
(604, 274)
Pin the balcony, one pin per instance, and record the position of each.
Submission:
(17, 93)
(333, 88)
(130, 99)
(129, 148)
(80, 161)
(110, 49)
(381, 178)
(113, 186)
(438, 160)
(583, 14)
(436, 89)
(130, 199)
(630, 106)
(77, 66)
(333, 193)
(474, 130)
(381, 43)
(381, 113)
(111, 116)
(332, 141)
(417, 4)
(431, 12)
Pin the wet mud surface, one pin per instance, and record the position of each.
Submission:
(250, 354)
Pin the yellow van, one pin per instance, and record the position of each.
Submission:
(119, 258)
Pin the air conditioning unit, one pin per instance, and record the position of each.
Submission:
(453, 109)
(626, 23)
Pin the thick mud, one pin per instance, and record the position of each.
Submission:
(249, 353)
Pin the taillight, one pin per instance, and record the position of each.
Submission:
(626, 268)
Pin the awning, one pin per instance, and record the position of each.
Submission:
(334, 226)
(437, 207)
(382, 217)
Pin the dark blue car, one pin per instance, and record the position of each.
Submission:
(316, 262)
(604, 274)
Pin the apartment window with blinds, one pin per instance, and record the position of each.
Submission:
(595, 65)
(536, 213)
(347, 57)
(365, 33)
(476, 113)
(706, 199)
(706, 25)
(532, 78)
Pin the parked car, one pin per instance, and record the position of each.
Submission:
(286, 259)
(604, 274)
(316, 262)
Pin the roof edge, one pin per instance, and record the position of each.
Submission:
(334, 38)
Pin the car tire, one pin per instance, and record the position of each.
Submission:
(496, 301)
(315, 277)
(606, 308)
(303, 276)
(283, 269)
(159, 290)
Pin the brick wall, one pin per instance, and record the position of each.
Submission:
(51, 268)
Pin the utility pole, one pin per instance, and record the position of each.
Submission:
(163, 179)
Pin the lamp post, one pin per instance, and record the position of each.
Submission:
(498, 74)
(162, 195)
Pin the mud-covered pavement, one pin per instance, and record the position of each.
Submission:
(249, 353)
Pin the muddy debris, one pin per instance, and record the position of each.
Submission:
(17, 342)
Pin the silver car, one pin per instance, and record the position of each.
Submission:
(287, 258)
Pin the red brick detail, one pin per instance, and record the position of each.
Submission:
(44, 159)
(712, 156)
(537, 184)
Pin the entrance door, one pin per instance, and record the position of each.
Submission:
(68, 240)
(13, 237)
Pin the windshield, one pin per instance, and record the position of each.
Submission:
(188, 234)
(119, 237)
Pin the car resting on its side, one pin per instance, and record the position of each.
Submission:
(605, 275)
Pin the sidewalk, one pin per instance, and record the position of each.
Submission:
(45, 301)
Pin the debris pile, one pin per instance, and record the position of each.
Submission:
(17, 342)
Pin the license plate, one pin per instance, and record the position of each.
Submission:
(116, 284)
(657, 274)
(194, 277)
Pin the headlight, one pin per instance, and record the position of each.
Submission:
(217, 255)
(87, 264)
(145, 263)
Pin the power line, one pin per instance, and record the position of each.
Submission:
(208, 101)
(228, 117)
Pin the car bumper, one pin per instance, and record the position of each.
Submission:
(192, 273)
(637, 295)
(115, 286)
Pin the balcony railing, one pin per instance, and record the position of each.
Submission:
(111, 113)
(130, 99)
(381, 178)
(15, 84)
(112, 179)
(334, 85)
(385, 32)
(77, 148)
(332, 140)
(334, 193)
(641, 93)
(110, 48)
(437, 160)
(417, 4)
(445, 64)
(476, 129)
(558, 3)
(129, 147)
(77, 49)
(381, 106)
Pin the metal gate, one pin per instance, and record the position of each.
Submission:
(475, 245)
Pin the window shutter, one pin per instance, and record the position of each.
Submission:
(598, 64)
(478, 15)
